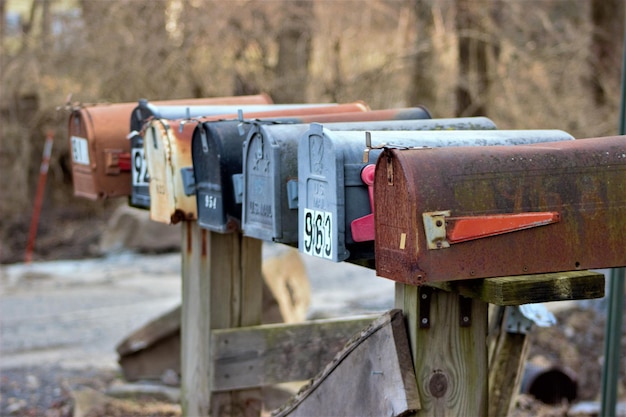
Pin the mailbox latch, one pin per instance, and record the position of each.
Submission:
(189, 180)
(442, 230)
(116, 161)
(363, 228)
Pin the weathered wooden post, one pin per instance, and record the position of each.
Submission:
(448, 337)
(222, 287)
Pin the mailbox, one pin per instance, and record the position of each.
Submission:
(100, 150)
(467, 213)
(167, 146)
(217, 163)
(270, 168)
(336, 188)
(144, 111)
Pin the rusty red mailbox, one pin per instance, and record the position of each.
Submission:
(101, 160)
(464, 213)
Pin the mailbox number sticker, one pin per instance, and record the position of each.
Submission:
(210, 202)
(140, 169)
(318, 233)
(80, 150)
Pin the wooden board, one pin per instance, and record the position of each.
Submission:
(525, 289)
(372, 376)
(270, 354)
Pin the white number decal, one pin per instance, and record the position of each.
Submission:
(140, 169)
(318, 233)
(80, 150)
(210, 202)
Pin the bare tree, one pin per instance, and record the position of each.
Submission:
(295, 40)
(607, 17)
(423, 88)
(473, 84)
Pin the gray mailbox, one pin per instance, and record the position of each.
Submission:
(270, 170)
(336, 189)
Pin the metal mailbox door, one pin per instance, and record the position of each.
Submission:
(168, 155)
(451, 214)
(270, 170)
(217, 162)
(335, 210)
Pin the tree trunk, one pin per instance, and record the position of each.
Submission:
(473, 84)
(607, 18)
(3, 18)
(423, 89)
(294, 52)
(46, 24)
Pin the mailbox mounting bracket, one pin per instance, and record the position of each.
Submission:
(425, 295)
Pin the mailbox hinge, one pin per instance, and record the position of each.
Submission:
(442, 230)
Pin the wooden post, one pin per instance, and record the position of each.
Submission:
(222, 288)
(448, 335)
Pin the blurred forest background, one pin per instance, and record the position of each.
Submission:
(526, 64)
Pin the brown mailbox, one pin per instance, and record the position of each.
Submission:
(101, 161)
(444, 214)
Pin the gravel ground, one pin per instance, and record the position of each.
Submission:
(47, 390)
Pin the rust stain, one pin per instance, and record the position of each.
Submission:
(204, 244)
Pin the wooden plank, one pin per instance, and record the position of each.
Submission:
(275, 353)
(508, 354)
(166, 325)
(450, 359)
(371, 376)
(525, 289)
